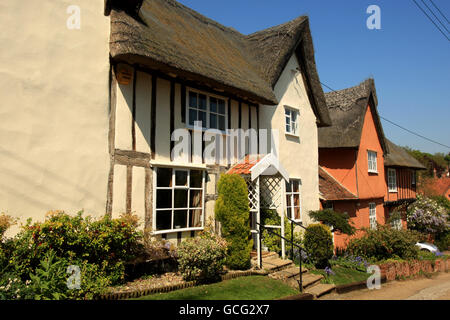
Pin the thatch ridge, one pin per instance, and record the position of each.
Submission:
(347, 109)
(174, 38)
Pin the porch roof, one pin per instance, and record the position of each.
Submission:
(259, 165)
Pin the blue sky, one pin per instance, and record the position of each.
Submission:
(409, 58)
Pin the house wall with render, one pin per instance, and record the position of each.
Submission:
(54, 114)
(350, 168)
(298, 155)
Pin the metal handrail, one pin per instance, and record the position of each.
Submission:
(300, 282)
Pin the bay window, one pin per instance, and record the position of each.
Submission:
(179, 199)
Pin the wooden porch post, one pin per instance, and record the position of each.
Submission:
(283, 207)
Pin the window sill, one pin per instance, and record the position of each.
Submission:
(202, 129)
(292, 135)
(373, 172)
(393, 191)
(177, 230)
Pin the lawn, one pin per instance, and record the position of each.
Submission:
(244, 288)
(343, 275)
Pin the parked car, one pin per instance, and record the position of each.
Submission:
(425, 246)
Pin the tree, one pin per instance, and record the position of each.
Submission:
(336, 220)
(232, 210)
(427, 215)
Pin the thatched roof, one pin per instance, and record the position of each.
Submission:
(331, 189)
(399, 157)
(347, 109)
(171, 38)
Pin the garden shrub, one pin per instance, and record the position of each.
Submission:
(107, 243)
(232, 210)
(318, 243)
(202, 259)
(385, 243)
(336, 220)
(442, 241)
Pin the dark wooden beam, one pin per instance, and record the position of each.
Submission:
(111, 139)
(129, 188)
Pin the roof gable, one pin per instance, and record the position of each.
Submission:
(331, 189)
(347, 109)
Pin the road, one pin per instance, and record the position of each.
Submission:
(435, 288)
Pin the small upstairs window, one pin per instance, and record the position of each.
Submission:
(392, 180)
(291, 116)
(372, 161)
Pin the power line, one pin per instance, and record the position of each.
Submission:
(429, 9)
(395, 124)
(412, 132)
(430, 19)
(439, 11)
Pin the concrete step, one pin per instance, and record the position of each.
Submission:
(320, 289)
(287, 273)
(309, 279)
(276, 264)
(265, 255)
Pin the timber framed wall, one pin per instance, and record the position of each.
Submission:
(143, 114)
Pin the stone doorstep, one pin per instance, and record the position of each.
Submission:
(320, 289)
(287, 273)
(276, 264)
(308, 280)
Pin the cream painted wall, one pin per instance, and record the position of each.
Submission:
(54, 113)
(299, 156)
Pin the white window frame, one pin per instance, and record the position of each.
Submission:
(397, 223)
(293, 125)
(372, 161)
(413, 177)
(290, 203)
(392, 180)
(207, 110)
(373, 215)
(173, 188)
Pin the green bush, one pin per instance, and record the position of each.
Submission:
(385, 243)
(233, 211)
(336, 220)
(49, 281)
(442, 241)
(202, 259)
(318, 244)
(107, 243)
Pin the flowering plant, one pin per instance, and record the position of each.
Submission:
(427, 215)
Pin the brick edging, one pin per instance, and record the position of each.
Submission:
(163, 289)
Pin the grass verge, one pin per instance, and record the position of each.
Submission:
(244, 288)
(342, 275)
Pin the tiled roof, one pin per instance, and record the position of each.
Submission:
(331, 189)
(244, 166)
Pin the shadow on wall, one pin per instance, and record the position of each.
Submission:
(14, 191)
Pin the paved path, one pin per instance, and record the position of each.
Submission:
(435, 288)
